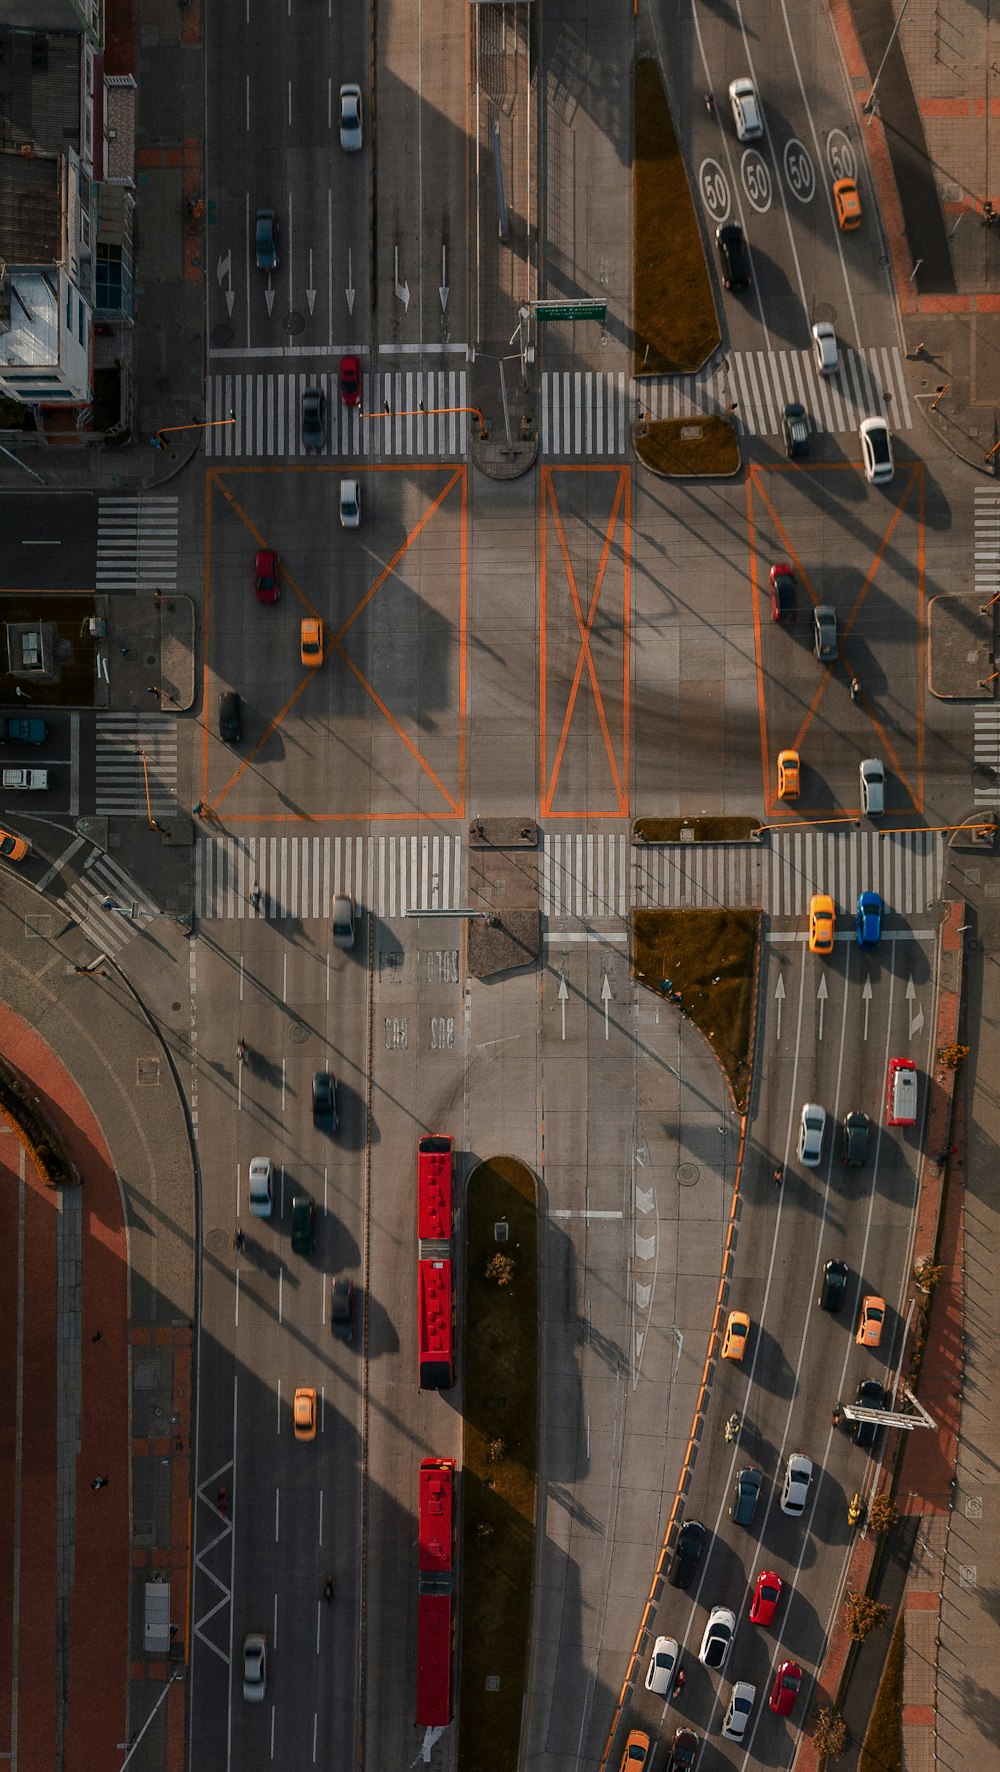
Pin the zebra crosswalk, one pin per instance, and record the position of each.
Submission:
(986, 579)
(584, 413)
(298, 876)
(101, 884)
(409, 413)
(134, 751)
(591, 875)
(137, 543)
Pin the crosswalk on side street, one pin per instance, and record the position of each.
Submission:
(137, 542)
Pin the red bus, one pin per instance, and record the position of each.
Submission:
(435, 1286)
(435, 1591)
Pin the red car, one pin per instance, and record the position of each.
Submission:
(786, 1688)
(766, 1595)
(265, 575)
(782, 593)
(350, 381)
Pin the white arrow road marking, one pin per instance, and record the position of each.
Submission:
(349, 291)
(563, 1000)
(605, 999)
(643, 1294)
(310, 291)
(224, 269)
(822, 995)
(916, 1018)
(866, 998)
(779, 997)
(645, 1199)
(269, 295)
(645, 1248)
(443, 290)
(402, 289)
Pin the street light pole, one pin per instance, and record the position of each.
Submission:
(869, 104)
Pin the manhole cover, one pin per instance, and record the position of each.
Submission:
(298, 1033)
(294, 322)
(217, 1242)
(223, 335)
(687, 1174)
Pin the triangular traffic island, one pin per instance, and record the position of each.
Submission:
(499, 1460)
(506, 932)
(705, 963)
(675, 322)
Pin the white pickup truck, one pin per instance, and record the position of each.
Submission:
(25, 780)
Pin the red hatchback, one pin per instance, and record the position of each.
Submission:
(350, 381)
(265, 575)
(767, 1593)
(782, 593)
(786, 1688)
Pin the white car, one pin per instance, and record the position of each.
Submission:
(876, 449)
(811, 1130)
(734, 1723)
(662, 1666)
(795, 1489)
(261, 1186)
(350, 504)
(350, 118)
(824, 339)
(746, 110)
(718, 1638)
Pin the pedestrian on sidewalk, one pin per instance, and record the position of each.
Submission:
(855, 688)
(97, 1336)
(99, 1483)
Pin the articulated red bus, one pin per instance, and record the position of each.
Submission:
(435, 1283)
(435, 1591)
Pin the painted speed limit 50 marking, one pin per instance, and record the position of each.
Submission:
(800, 174)
(714, 187)
(756, 180)
(840, 155)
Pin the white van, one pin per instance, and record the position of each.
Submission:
(901, 1106)
(261, 1179)
(872, 775)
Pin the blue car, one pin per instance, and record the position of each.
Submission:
(869, 919)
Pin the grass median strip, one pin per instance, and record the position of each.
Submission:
(704, 962)
(498, 1460)
(675, 323)
(699, 447)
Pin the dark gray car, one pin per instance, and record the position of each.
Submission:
(230, 721)
(855, 1149)
(870, 1396)
(342, 1309)
(313, 426)
(746, 1496)
(324, 1092)
(825, 632)
(687, 1556)
(266, 240)
(834, 1290)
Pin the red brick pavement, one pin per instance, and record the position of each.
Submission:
(97, 1666)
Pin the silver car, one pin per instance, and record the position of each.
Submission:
(824, 339)
(746, 110)
(350, 118)
(343, 922)
(261, 1186)
(662, 1666)
(795, 1489)
(825, 632)
(811, 1130)
(350, 504)
(718, 1638)
(254, 1667)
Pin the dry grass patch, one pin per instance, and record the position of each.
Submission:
(675, 322)
(695, 830)
(883, 1747)
(704, 962)
(700, 447)
(499, 1461)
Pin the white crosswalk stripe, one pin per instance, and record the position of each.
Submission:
(599, 875)
(299, 876)
(131, 748)
(592, 414)
(986, 578)
(137, 543)
(268, 410)
(102, 879)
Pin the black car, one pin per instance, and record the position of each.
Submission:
(324, 1101)
(870, 1396)
(303, 1224)
(834, 1290)
(746, 1496)
(688, 1552)
(313, 423)
(855, 1149)
(684, 1751)
(266, 240)
(341, 1311)
(230, 724)
(733, 254)
(795, 429)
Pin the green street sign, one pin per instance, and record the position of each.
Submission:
(571, 310)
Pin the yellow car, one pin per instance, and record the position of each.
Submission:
(735, 1339)
(872, 1317)
(311, 641)
(847, 203)
(821, 918)
(788, 775)
(13, 848)
(304, 1413)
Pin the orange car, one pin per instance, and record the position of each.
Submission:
(735, 1339)
(788, 775)
(13, 848)
(311, 641)
(821, 920)
(304, 1413)
(636, 1753)
(872, 1317)
(847, 203)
